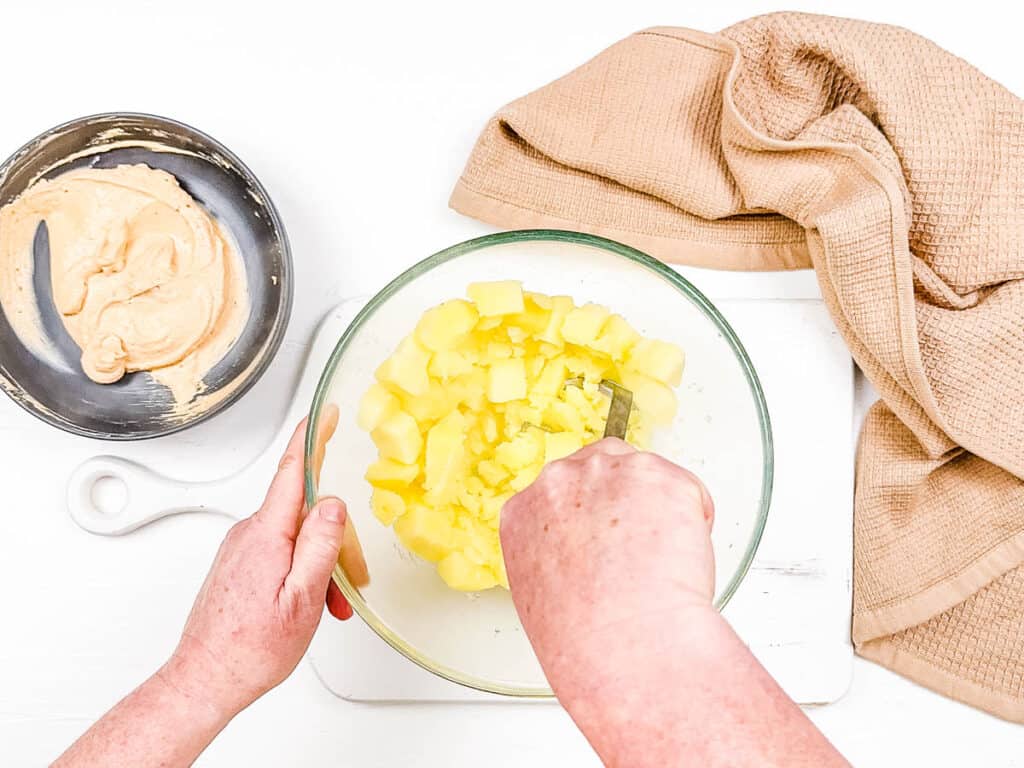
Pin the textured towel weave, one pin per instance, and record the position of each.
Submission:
(896, 170)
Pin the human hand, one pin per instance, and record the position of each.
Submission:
(262, 600)
(607, 544)
(351, 558)
(610, 564)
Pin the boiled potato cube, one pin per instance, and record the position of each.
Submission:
(525, 476)
(506, 380)
(398, 437)
(489, 323)
(491, 506)
(492, 473)
(548, 351)
(530, 415)
(655, 400)
(535, 317)
(560, 416)
(588, 367)
(474, 484)
(561, 306)
(551, 379)
(497, 350)
(583, 325)
(427, 531)
(513, 423)
(447, 364)
(459, 572)
(490, 427)
(444, 326)
(434, 404)
(659, 360)
(407, 367)
(522, 450)
(592, 407)
(375, 406)
(516, 334)
(391, 475)
(540, 300)
(386, 505)
(558, 445)
(476, 443)
(503, 297)
(470, 389)
(534, 367)
(518, 414)
(477, 540)
(617, 338)
(445, 453)
(469, 501)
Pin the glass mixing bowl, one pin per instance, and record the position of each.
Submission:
(721, 432)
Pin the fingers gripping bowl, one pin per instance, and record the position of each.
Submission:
(721, 431)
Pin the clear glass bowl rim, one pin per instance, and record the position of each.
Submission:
(683, 285)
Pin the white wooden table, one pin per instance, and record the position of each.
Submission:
(357, 117)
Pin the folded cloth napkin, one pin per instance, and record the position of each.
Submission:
(896, 170)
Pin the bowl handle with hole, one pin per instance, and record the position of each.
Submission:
(149, 496)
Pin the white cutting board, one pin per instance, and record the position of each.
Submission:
(794, 606)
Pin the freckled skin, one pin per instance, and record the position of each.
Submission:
(250, 625)
(611, 568)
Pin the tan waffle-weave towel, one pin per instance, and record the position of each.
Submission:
(896, 170)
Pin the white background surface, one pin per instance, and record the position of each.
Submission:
(357, 117)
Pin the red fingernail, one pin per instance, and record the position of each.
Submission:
(337, 605)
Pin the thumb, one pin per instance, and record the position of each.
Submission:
(316, 549)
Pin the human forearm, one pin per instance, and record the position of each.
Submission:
(164, 722)
(250, 625)
(699, 698)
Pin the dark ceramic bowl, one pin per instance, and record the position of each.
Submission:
(137, 407)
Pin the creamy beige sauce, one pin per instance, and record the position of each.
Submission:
(143, 278)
